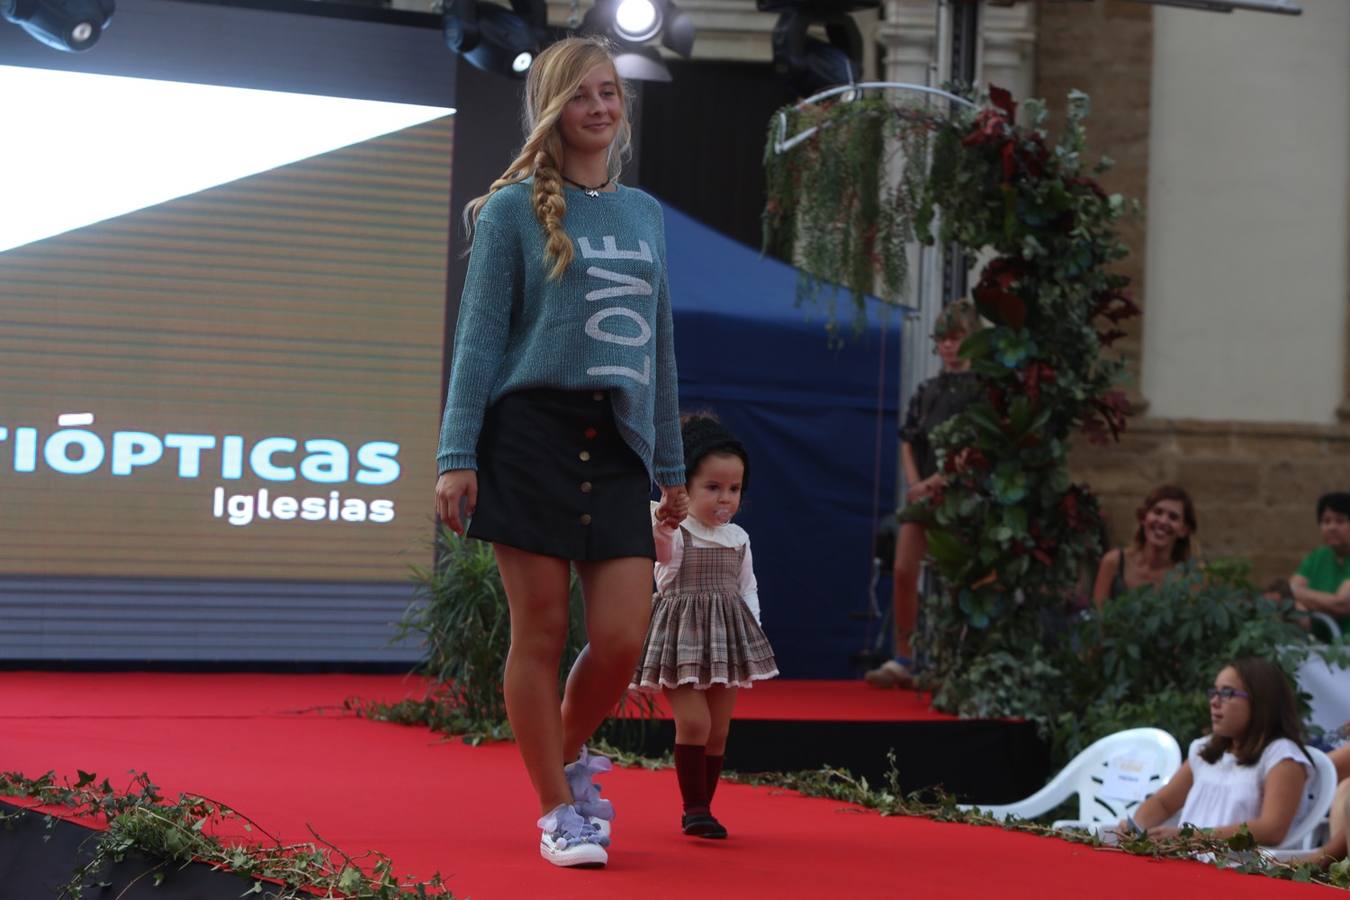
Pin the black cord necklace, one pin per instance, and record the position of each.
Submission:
(590, 191)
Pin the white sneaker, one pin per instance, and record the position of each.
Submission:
(567, 839)
(586, 797)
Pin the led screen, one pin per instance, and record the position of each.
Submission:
(221, 319)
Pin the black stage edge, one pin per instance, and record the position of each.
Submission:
(38, 861)
(977, 760)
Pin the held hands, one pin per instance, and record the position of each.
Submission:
(674, 505)
(456, 491)
(925, 488)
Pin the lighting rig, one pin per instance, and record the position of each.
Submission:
(632, 25)
(809, 63)
(496, 39)
(71, 25)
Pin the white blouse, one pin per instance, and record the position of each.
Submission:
(1225, 793)
(670, 553)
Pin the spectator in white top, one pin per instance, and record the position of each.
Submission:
(1250, 771)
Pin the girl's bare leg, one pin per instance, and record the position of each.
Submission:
(910, 547)
(618, 596)
(721, 701)
(536, 591)
(693, 722)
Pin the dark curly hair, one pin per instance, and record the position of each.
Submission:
(705, 436)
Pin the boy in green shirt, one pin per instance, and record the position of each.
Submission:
(1322, 582)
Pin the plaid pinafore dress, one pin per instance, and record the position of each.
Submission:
(702, 633)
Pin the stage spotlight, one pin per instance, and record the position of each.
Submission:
(493, 38)
(637, 20)
(632, 23)
(72, 25)
(811, 64)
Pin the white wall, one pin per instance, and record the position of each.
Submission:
(1246, 289)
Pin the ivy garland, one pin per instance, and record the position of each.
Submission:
(177, 833)
(1010, 534)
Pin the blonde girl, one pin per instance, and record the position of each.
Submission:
(561, 412)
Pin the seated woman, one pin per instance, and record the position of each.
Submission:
(1250, 771)
(1161, 542)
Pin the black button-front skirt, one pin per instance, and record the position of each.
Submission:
(555, 477)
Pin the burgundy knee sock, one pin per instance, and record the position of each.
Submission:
(713, 767)
(691, 770)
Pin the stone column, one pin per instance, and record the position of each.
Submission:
(1008, 48)
(908, 33)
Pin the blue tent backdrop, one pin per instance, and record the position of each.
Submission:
(818, 421)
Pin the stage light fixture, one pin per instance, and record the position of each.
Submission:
(631, 24)
(637, 20)
(71, 25)
(641, 64)
(809, 63)
(493, 38)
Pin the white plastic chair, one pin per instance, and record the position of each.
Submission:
(1321, 791)
(1331, 625)
(1111, 777)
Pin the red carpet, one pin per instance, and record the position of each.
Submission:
(265, 745)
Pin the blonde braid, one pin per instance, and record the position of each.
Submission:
(549, 208)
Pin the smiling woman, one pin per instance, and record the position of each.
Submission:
(1167, 522)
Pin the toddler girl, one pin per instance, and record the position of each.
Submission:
(705, 639)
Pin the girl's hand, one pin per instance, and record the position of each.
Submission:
(1163, 832)
(674, 505)
(453, 488)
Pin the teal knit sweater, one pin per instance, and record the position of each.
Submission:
(604, 325)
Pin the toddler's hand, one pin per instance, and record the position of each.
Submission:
(674, 505)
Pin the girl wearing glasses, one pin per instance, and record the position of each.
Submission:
(1250, 771)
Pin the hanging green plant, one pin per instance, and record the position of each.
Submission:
(1009, 533)
(834, 209)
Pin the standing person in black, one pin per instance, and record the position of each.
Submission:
(934, 402)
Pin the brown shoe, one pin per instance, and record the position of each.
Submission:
(890, 674)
